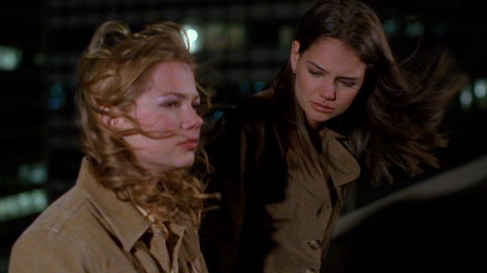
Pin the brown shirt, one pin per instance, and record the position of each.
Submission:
(89, 230)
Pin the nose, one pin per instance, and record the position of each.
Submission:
(192, 121)
(328, 92)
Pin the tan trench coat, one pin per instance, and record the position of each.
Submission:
(89, 230)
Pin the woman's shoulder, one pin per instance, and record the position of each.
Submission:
(60, 217)
(258, 104)
(254, 111)
(55, 231)
(250, 118)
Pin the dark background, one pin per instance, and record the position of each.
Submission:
(242, 45)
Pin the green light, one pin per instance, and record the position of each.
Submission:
(10, 58)
(22, 204)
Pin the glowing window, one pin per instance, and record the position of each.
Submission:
(480, 88)
(22, 204)
(466, 98)
(10, 58)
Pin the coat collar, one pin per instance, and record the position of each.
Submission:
(341, 164)
(124, 219)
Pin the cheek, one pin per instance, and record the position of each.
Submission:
(300, 94)
(157, 122)
(347, 100)
(303, 88)
(165, 125)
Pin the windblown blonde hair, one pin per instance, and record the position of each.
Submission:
(110, 71)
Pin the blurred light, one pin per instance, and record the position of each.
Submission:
(39, 59)
(22, 204)
(54, 104)
(414, 29)
(192, 35)
(390, 27)
(480, 88)
(259, 86)
(237, 36)
(10, 58)
(245, 86)
(215, 36)
(35, 173)
(216, 115)
(57, 98)
(286, 36)
(466, 98)
(480, 92)
(56, 91)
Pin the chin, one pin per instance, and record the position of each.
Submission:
(187, 162)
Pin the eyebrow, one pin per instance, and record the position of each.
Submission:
(324, 70)
(182, 96)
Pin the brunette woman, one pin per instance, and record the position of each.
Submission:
(341, 109)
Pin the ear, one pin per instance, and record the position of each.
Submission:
(294, 55)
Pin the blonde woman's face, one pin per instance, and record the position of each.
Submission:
(166, 110)
(328, 77)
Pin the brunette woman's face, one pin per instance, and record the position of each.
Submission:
(328, 77)
(166, 110)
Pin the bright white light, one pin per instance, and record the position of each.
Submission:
(10, 58)
(480, 88)
(192, 35)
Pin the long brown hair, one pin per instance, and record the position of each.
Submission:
(109, 73)
(395, 118)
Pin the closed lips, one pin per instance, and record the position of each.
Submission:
(322, 108)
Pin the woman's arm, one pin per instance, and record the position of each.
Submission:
(232, 155)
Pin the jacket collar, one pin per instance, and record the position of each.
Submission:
(341, 164)
(124, 219)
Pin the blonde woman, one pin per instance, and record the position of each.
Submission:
(134, 207)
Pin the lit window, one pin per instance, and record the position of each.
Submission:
(466, 98)
(22, 204)
(57, 99)
(10, 58)
(415, 29)
(259, 86)
(35, 173)
(390, 27)
(236, 36)
(286, 36)
(480, 89)
(480, 92)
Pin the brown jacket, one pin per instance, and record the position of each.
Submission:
(89, 230)
(272, 217)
